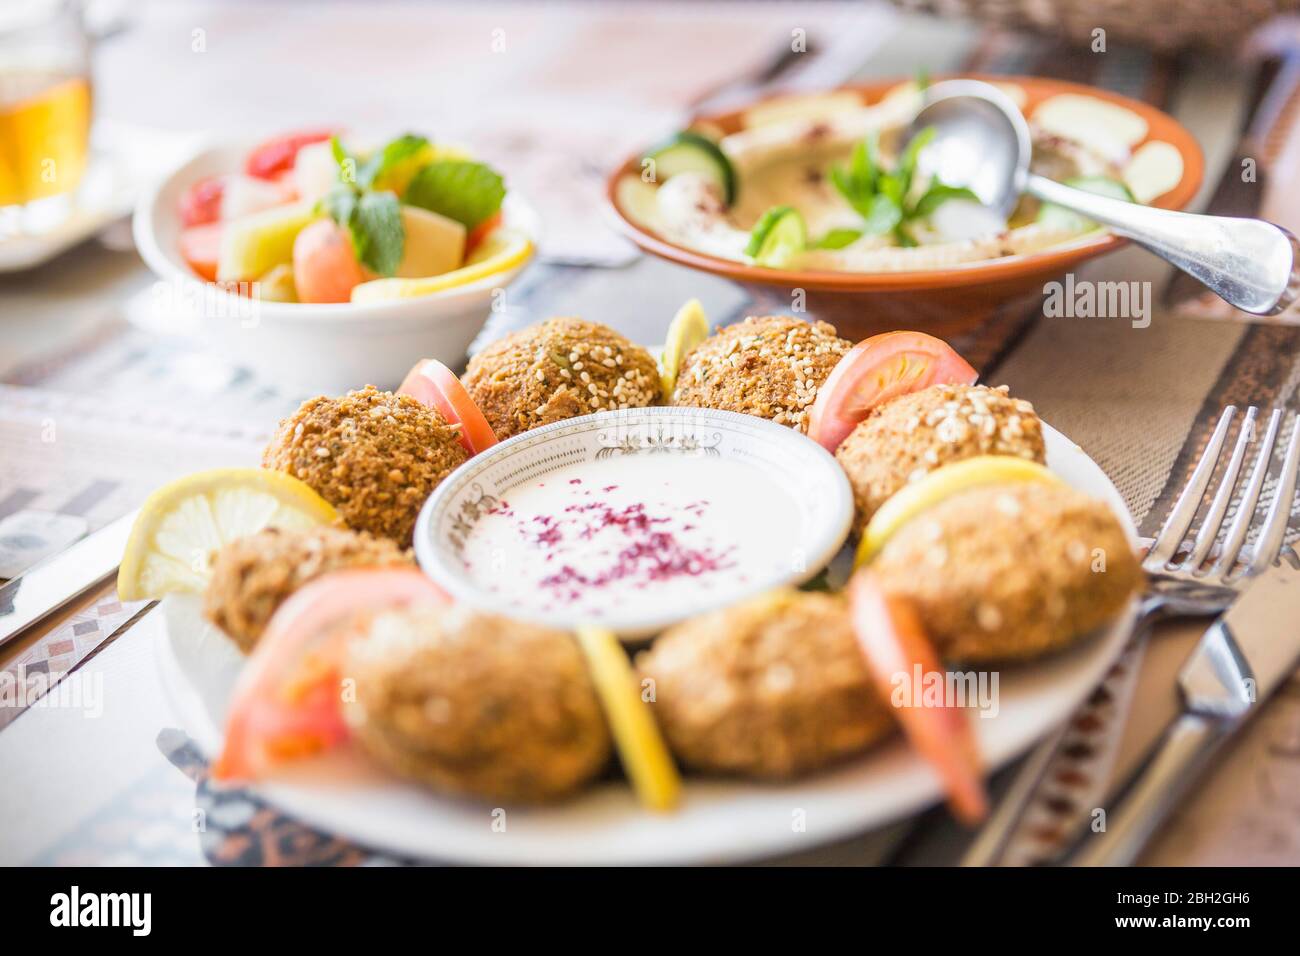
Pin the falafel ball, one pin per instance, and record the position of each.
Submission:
(477, 704)
(251, 576)
(1012, 571)
(373, 455)
(773, 687)
(559, 369)
(769, 366)
(905, 439)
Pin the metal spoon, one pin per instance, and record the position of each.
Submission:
(981, 141)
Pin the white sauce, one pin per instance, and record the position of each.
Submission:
(633, 537)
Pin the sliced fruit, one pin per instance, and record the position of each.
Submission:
(256, 244)
(396, 176)
(1062, 218)
(315, 171)
(896, 648)
(876, 370)
(691, 152)
(482, 231)
(325, 266)
(287, 702)
(944, 482)
(182, 523)
(641, 747)
(779, 234)
(200, 247)
(201, 203)
(433, 384)
(277, 285)
(503, 250)
(245, 195)
(276, 155)
(434, 244)
(690, 327)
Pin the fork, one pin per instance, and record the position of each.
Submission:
(1183, 588)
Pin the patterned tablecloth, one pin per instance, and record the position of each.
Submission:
(96, 412)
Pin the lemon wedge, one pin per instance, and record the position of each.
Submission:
(690, 327)
(183, 523)
(502, 250)
(641, 746)
(909, 501)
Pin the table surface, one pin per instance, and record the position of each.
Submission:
(125, 784)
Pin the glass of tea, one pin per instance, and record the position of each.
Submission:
(45, 102)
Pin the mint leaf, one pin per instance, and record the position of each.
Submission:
(340, 203)
(936, 195)
(907, 161)
(882, 216)
(838, 239)
(463, 190)
(347, 162)
(396, 151)
(377, 232)
(374, 222)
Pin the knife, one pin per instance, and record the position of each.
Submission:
(62, 579)
(1240, 660)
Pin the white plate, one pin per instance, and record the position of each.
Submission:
(817, 489)
(315, 347)
(719, 820)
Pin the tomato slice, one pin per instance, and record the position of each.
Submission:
(276, 155)
(286, 701)
(896, 647)
(201, 247)
(433, 384)
(876, 370)
(202, 201)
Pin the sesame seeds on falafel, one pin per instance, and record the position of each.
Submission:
(561, 368)
(905, 439)
(252, 575)
(373, 455)
(769, 366)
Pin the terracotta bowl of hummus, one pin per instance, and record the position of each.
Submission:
(718, 196)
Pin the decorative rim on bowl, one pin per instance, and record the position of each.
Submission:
(1160, 126)
(816, 481)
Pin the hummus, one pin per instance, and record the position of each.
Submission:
(786, 161)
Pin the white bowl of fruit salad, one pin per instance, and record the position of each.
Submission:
(321, 262)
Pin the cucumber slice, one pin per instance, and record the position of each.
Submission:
(779, 234)
(1102, 186)
(1054, 215)
(691, 152)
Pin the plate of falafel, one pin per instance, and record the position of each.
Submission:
(986, 581)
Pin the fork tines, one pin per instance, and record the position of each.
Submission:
(1270, 533)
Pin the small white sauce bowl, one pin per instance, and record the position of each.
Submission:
(814, 483)
(307, 347)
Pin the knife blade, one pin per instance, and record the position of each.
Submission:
(60, 580)
(1240, 660)
(1249, 651)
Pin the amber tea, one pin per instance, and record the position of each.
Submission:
(44, 134)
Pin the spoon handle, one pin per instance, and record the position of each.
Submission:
(1249, 263)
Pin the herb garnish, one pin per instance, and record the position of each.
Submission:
(885, 199)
